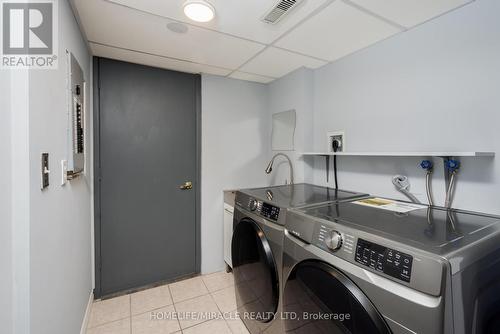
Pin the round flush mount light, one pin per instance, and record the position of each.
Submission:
(199, 10)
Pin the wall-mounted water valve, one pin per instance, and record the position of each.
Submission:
(452, 165)
(427, 165)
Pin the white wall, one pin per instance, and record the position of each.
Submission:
(60, 245)
(20, 200)
(5, 206)
(235, 146)
(433, 88)
(293, 91)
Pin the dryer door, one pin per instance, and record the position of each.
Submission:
(320, 299)
(255, 272)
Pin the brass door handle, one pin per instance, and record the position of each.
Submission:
(186, 186)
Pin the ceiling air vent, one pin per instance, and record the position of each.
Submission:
(278, 11)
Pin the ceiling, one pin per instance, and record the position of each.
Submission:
(237, 44)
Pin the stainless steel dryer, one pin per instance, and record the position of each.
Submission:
(350, 268)
(257, 244)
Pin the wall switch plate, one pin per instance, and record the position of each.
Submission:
(64, 172)
(44, 172)
(340, 137)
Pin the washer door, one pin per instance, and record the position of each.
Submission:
(320, 299)
(255, 274)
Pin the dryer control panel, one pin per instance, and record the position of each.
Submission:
(389, 261)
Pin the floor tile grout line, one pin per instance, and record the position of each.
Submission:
(220, 311)
(191, 326)
(208, 291)
(175, 309)
(151, 310)
(172, 298)
(108, 322)
(233, 284)
(208, 294)
(218, 305)
(163, 306)
(155, 308)
(190, 298)
(182, 329)
(224, 288)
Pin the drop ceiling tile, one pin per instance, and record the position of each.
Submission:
(276, 62)
(240, 18)
(153, 60)
(338, 30)
(111, 24)
(409, 13)
(250, 77)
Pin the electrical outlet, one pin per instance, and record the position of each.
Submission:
(338, 136)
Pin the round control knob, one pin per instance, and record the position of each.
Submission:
(334, 240)
(252, 204)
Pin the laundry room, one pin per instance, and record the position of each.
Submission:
(264, 166)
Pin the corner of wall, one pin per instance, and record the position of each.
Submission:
(20, 201)
(6, 258)
(294, 91)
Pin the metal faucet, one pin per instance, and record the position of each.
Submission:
(269, 168)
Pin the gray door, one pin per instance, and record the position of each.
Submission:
(147, 149)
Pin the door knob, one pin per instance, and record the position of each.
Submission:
(187, 185)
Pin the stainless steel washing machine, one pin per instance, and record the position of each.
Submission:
(349, 268)
(257, 243)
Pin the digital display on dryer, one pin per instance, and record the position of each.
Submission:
(389, 261)
(270, 211)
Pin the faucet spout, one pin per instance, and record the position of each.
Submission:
(269, 167)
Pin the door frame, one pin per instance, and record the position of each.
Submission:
(97, 174)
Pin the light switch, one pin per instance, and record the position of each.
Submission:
(45, 171)
(64, 172)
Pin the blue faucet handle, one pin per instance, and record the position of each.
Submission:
(452, 165)
(426, 164)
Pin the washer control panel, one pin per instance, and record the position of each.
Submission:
(264, 209)
(334, 240)
(269, 211)
(384, 257)
(253, 204)
(389, 261)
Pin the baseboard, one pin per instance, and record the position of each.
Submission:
(85, 321)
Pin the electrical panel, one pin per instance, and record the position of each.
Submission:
(76, 83)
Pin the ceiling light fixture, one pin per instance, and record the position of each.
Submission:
(199, 10)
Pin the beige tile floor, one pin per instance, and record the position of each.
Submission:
(210, 295)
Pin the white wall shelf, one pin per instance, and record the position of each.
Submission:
(403, 154)
(446, 156)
